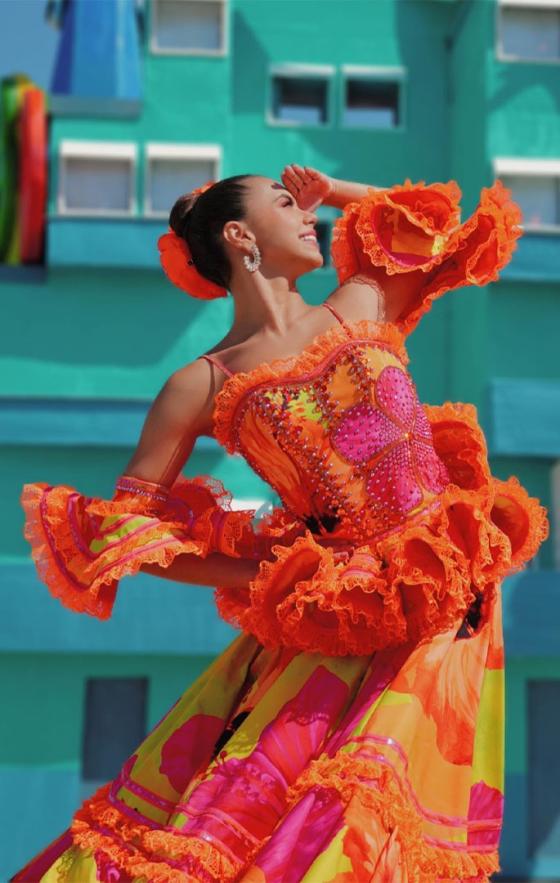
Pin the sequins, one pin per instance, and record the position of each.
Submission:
(362, 432)
(385, 438)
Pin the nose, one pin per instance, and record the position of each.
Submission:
(311, 217)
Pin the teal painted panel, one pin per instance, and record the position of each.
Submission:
(104, 242)
(531, 614)
(36, 807)
(71, 422)
(524, 417)
(151, 616)
(536, 259)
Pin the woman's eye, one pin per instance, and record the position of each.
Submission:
(289, 202)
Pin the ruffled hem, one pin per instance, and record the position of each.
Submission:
(305, 363)
(160, 855)
(409, 585)
(82, 546)
(415, 228)
(165, 855)
(378, 788)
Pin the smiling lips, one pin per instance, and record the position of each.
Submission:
(310, 237)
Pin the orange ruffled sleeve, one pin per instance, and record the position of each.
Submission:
(416, 229)
(82, 546)
(411, 584)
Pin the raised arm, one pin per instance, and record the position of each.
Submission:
(409, 237)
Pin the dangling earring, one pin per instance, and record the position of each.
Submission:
(254, 264)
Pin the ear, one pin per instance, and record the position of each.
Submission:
(237, 234)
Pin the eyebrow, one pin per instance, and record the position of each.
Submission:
(285, 193)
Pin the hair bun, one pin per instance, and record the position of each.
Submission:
(180, 214)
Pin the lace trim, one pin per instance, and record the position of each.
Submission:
(296, 367)
(444, 254)
(154, 854)
(82, 546)
(389, 802)
(521, 517)
(408, 586)
(460, 443)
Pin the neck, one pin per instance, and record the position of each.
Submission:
(260, 303)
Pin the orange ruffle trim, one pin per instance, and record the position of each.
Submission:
(142, 851)
(153, 854)
(425, 862)
(409, 585)
(416, 229)
(82, 546)
(304, 363)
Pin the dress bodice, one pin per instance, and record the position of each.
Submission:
(337, 431)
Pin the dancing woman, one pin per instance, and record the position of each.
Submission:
(353, 730)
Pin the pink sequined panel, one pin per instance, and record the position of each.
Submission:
(395, 395)
(398, 436)
(363, 431)
(392, 482)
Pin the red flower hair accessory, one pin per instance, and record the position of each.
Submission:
(177, 262)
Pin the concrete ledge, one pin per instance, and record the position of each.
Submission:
(68, 422)
(524, 417)
(150, 616)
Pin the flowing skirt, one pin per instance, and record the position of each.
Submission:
(278, 766)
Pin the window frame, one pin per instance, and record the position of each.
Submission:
(300, 71)
(500, 5)
(510, 167)
(69, 148)
(220, 52)
(169, 150)
(397, 74)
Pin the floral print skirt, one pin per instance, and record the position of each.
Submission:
(278, 766)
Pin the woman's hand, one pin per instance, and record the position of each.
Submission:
(308, 186)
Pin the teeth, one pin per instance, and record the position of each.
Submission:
(312, 238)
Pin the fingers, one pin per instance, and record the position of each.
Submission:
(296, 174)
(290, 179)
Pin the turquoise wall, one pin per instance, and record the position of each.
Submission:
(86, 344)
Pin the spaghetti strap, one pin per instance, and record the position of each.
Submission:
(337, 314)
(218, 363)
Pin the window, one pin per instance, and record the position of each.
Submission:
(543, 811)
(300, 94)
(372, 97)
(535, 185)
(188, 27)
(96, 178)
(173, 169)
(529, 30)
(114, 726)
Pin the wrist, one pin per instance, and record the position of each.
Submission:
(334, 195)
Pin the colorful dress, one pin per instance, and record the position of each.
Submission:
(353, 730)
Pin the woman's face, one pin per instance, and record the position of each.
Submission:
(284, 233)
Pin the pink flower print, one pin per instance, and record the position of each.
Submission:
(189, 748)
(487, 807)
(398, 437)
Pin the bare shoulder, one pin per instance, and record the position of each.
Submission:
(192, 388)
(361, 296)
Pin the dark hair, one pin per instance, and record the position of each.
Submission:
(199, 220)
